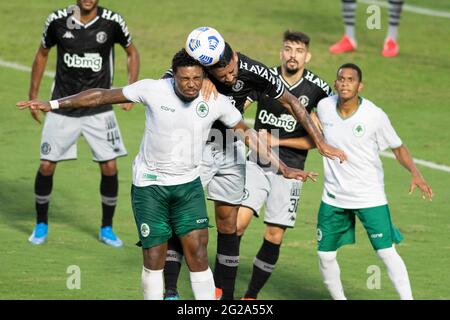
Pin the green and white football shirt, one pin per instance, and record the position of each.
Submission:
(175, 132)
(359, 182)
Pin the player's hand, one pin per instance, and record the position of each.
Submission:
(127, 106)
(331, 152)
(207, 88)
(292, 173)
(34, 105)
(418, 181)
(315, 119)
(36, 115)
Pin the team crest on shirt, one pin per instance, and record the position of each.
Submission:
(202, 109)
(359, 129)
(304, 100)
(46, 148)
(145, 230)
(238, 86)
(101, 37)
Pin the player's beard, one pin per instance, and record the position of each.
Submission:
(291, 71)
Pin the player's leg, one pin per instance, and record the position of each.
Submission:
(226, 188)
(151, 213)
(390, 47)
(348, 41)
(196, 253)
(281, 212)
(59, 136)
(190, 222)
(335, 228)
(172, 268)
(382, 234)
(152, 272)
(102, 133)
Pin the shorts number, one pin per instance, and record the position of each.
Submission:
(294, 204)
(113, 136)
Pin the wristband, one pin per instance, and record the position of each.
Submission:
(54, 104)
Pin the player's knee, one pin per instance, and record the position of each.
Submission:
(274, 234)
(108, 168)
(47, 168)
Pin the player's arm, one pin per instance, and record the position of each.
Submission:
(37, 71)
(258, 145)
(133, 63)
(403, 156)
(295, 108)
(86, 99)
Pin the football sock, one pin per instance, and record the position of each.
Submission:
(396, 271)
(263, 266)
(109, 187)
(331, 274)
(172, 267)
(349, 16)
(42, 191)
(203, 285)
(152, 284)
(395, 10)
(227, 262)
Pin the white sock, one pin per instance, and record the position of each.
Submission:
(152, 284)
(203, 285)
(331, 274)
(396, 271)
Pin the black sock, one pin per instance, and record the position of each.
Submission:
(173, 265)
(263, 266)
(227, 262)
(42, 190)
(109, 188)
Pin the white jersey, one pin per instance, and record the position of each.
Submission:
(175, 132)
(359, 182)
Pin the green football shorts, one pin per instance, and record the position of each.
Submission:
(336, 227)
(161, 210)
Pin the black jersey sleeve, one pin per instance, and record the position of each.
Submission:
(121, 34)
(49, 33)
(253, 96)
(264, 80)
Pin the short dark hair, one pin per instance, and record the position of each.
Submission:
(225, 59)
(296, 36)
(183, 59)
(351, 66)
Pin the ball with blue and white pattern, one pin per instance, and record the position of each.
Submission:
(206, 45)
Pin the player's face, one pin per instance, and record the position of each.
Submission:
(87, 5)
(347, 84)
(188, 81)
(294, 56)
(228, 74)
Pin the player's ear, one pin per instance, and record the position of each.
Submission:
(308, 57)
(335, 85)
(360, 87)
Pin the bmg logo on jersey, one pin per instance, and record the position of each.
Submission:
(91, 61)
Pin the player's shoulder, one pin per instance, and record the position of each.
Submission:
(110, 15)
(251, 65)
(370, 106)
(317, 82)
(328, 102)
(222, 100)
(59, 14)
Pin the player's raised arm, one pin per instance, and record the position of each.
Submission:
(258, 144)
(405, 159)
(86, 99)
(299, 111)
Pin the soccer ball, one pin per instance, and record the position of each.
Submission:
(205, 45)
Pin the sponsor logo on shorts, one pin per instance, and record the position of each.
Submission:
(376, 235)
(45, 148)
(319, 234)
(145, 230)
(246, 194)
(359, 129)
(101, 37)
(202, 109)
(202, 220)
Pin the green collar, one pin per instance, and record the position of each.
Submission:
(339, 114)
